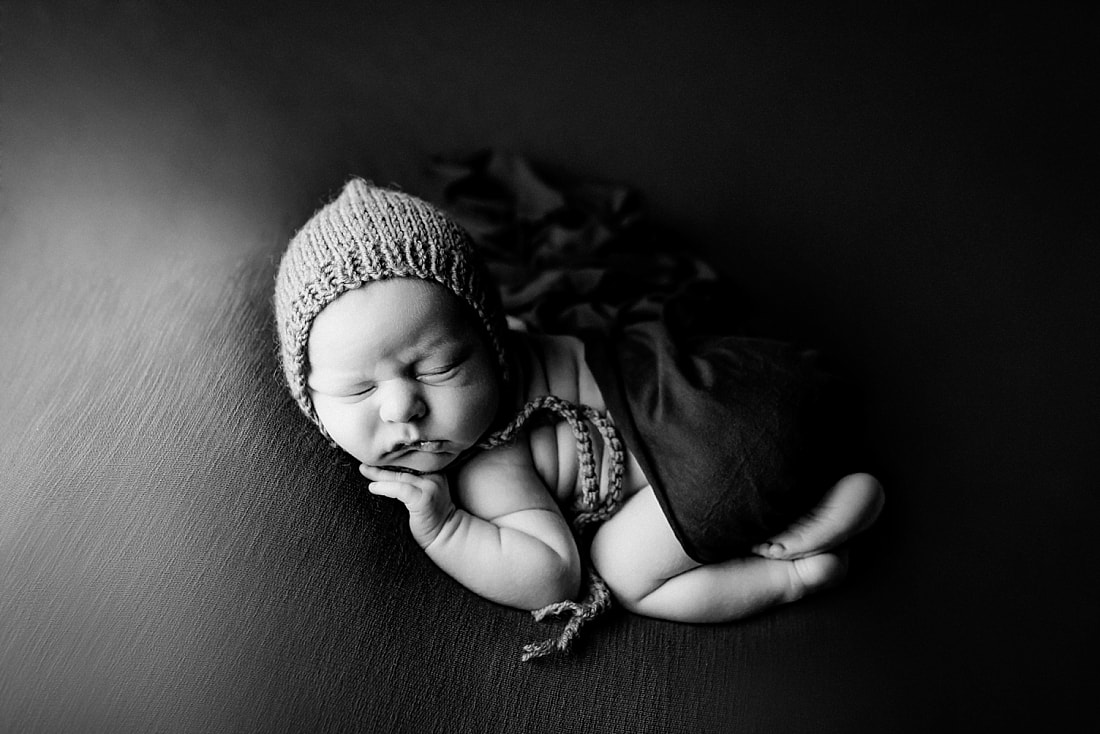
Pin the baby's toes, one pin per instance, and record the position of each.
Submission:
(792, 543)
(774, 550)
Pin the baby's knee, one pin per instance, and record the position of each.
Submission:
(621, 567)
(636, 551)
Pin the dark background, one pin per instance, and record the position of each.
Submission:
(912, 188)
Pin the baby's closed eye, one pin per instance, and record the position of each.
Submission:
(439, 373)
(346, 393)
(355, 391)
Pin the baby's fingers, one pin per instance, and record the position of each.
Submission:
(415, 490)
(426, 497)
(402, 491)
(379, 474)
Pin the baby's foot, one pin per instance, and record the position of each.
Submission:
(815, 573)
(850, 506)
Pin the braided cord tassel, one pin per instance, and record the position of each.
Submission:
(595, 603)
(589, 508)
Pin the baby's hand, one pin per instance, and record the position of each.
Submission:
(426, 496)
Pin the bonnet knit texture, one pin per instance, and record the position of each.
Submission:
(367, 234)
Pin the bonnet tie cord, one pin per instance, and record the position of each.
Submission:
(588, 508)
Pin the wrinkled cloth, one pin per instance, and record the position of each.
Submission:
(732, 433)
(738, 436)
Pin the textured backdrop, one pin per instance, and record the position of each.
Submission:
(913, 190)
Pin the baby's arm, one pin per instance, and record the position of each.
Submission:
(505, 540)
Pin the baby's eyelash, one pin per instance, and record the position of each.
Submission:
(440, 371)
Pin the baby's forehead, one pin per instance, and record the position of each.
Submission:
(412, 295)
(384, 305)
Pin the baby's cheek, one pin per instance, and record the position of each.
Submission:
(342, 425)
(486, 404)
(468, 416)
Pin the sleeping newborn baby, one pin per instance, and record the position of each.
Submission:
(544, 472)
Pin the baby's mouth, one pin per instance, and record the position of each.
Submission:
(428, 447)
(420, 457)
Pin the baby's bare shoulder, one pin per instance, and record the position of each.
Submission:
(559, 369)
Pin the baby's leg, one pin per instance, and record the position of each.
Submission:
(649, 573)
(850, 506)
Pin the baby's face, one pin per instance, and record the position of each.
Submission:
(400, 376)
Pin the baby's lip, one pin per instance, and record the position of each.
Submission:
(429, 446)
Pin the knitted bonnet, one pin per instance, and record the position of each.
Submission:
(367, 234)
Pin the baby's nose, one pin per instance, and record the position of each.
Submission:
(401, 402)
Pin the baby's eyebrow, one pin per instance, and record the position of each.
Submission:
(445, 347)
(451, 351)
(444, 340)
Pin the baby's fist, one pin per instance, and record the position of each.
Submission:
(427, 497)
